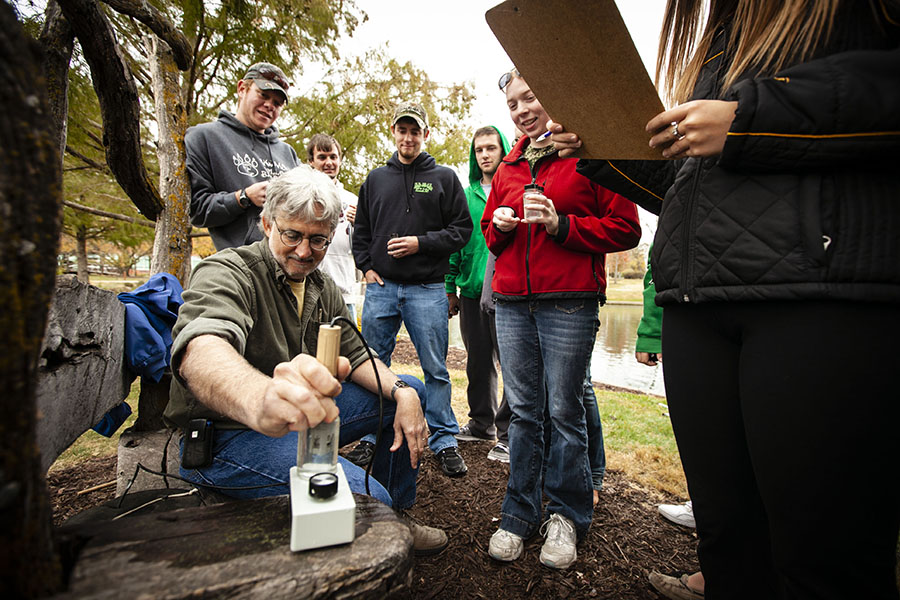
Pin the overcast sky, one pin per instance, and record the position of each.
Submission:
(452, 42)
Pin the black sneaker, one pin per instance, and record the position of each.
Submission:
(363, 454)
(452, 464)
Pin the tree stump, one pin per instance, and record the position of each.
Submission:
(236, 550)
(81, 371)
(157, 450)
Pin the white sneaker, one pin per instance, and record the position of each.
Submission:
(505, 546)
(680, 514)
(499, 452)
(559, 549)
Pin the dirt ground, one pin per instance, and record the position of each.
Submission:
(627, 538)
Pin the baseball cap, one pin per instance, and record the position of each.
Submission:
(268, 77)
(413, 111)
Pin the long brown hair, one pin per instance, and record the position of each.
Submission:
(765, 34)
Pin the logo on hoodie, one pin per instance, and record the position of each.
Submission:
(422, 187)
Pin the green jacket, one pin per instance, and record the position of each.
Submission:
(467, 264)
(649, 331)
(241, 295)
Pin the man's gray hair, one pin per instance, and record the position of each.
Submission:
(304, 194)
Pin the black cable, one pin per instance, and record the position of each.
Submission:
(379, 394)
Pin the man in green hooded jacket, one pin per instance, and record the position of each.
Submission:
(466, 274)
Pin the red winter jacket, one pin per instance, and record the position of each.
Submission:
(593, 221)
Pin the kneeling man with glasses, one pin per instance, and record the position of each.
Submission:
(243, 360)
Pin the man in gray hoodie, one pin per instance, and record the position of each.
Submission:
(230, 160)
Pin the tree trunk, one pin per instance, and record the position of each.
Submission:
(57, 40)
(30, 197)
(172, 244)
(81, 256)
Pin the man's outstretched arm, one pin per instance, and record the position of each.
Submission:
(298, 395)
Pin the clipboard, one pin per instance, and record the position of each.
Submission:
(581, 63)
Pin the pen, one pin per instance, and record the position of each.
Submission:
(544, 135)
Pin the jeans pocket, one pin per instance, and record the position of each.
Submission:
(569, 307)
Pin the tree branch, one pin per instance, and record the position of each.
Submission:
(158, 24)
(91, 163)
(119, 103)
(108, 215)
(58, 41)
(118, 217)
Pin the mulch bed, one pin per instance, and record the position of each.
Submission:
(627, 538)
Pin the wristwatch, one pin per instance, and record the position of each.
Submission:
(397, 385)
(243, 200)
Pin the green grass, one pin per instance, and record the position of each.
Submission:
(94, 445)
(639, 441)
(625, 290)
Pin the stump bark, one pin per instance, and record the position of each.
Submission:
(236, 550)
(81, 371)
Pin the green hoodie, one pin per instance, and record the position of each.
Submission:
(649, 331)
(467, 264)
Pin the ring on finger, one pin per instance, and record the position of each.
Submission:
(678, 135)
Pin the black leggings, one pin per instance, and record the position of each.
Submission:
(787, 416)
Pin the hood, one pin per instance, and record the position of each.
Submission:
(474, 170)
(269, 136)
(516, 152)
(422, 162)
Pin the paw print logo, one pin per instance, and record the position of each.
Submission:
(246, 165)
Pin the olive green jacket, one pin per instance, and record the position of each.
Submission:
(241, 295)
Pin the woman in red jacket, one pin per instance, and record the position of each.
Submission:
(548, 280)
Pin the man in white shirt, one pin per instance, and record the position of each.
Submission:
(323, 153)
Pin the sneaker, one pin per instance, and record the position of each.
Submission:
(499, 452)
(427, 540)
(505, 546)
(673, 588)
(452, 464)
(559, 549)
(680, 514)
(467, 435)
(363, 454)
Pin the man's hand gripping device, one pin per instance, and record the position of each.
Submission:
(323, 512)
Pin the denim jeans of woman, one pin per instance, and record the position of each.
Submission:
(245, 458)
(546, 342)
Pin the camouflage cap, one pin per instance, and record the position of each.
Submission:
(412, 110)
(268, 77)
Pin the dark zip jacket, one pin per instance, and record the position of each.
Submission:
(804, 201)
(423, 199)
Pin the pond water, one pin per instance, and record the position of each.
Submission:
(612, 361)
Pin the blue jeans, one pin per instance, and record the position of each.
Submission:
(423, 309)
(596, 451)
(243, 457)
(546, 342)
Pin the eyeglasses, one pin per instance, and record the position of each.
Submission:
(292, 238)
(273, 75)
(506, 78)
